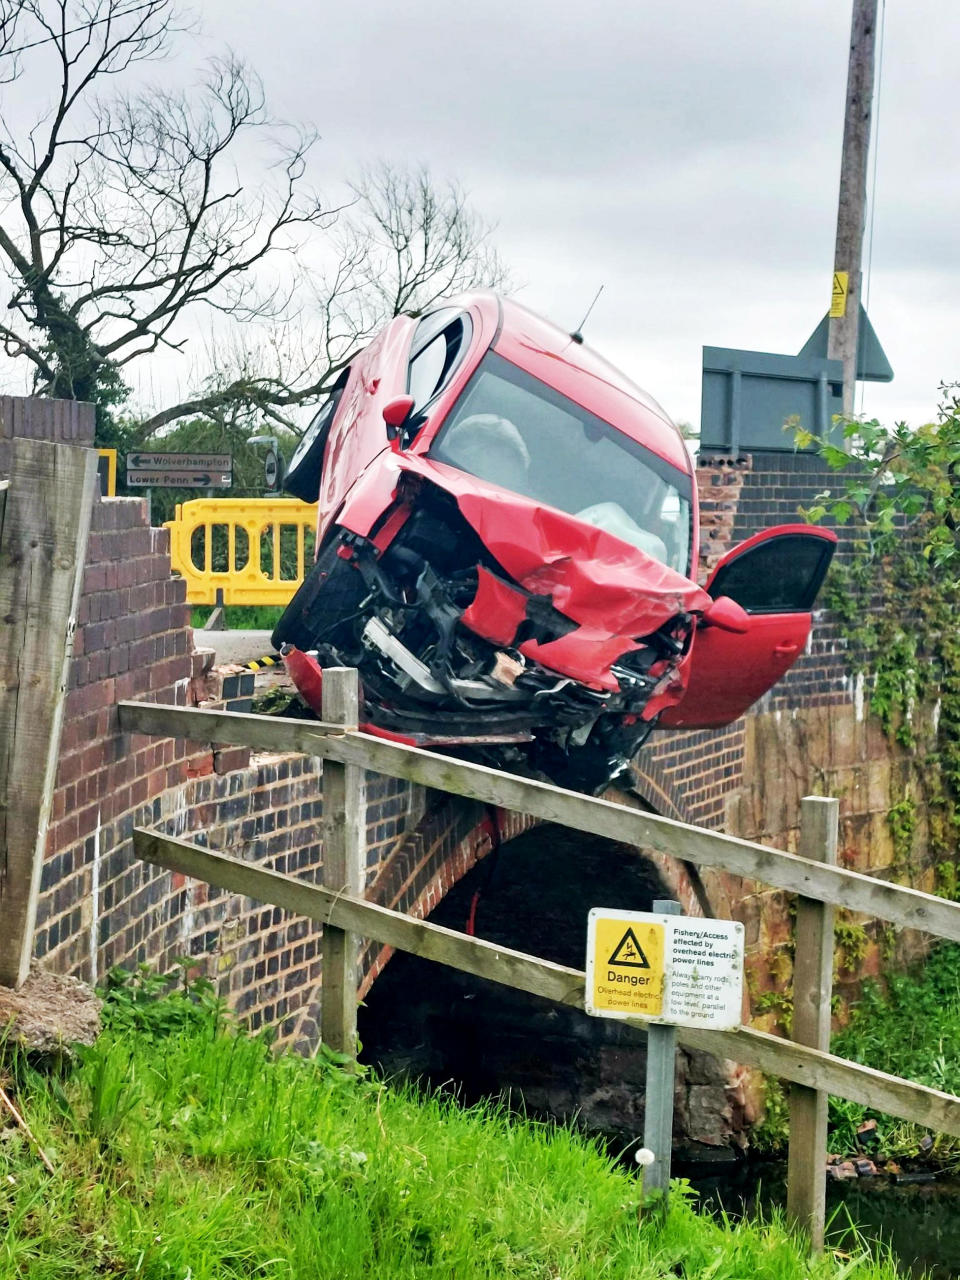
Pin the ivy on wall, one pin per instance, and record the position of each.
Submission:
(896, 594)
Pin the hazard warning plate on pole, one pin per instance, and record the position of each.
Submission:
(673, 969)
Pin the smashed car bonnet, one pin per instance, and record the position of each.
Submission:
(507, 547)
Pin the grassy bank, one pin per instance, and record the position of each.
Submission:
(184, 1151)
(910, 1027)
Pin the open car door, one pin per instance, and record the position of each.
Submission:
(775, 577)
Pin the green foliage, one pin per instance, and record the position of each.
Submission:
(896, 595)
(910, 1027)
(770, 1135)
(850, 943)
(240, 617)
(902, 821)
(911, 1030)
(200, 1154)
(154, 1006)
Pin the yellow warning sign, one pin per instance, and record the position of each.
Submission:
(676, 969)
(625, 966)
(838, 298)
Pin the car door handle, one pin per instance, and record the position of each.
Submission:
(788, 646)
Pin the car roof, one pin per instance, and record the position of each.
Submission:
(573, 368)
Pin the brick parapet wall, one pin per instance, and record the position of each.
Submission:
(99, 906)
(33, 418)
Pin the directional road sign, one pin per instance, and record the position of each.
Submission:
(179, 462)
(671, 969)
(180, 470)
(171, 479)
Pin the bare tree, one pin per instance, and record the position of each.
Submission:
(403, 243)
(118, 215)
(123, 209)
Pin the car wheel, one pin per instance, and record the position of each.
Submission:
(323, 613)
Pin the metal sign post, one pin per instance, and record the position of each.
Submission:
(673, 971)
(658, 1101)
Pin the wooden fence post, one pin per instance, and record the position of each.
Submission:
(812, 991)
(43, 546)
(344, 845)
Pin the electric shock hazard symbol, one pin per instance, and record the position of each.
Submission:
(675, 969)
(628, 953)
(627, 968)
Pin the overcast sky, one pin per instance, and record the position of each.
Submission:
(683, 153)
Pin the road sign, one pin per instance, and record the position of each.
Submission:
(179, 479)
(179, 462)
(271, 469)
(872, 362)
(679, 970)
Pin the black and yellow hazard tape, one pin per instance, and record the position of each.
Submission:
(268, 660)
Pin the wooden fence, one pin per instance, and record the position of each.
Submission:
(805, 1062)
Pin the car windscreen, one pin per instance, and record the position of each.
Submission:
(514, 431)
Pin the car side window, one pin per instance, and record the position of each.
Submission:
(439, 344)
(780, 575)
(303, 470)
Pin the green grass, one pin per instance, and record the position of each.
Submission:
(240, 617)
(910, 1027)
(187, 1151)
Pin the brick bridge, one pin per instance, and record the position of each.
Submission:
(99, 907)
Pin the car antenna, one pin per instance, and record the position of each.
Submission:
(577, 334)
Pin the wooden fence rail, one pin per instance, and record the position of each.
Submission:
(908, 908)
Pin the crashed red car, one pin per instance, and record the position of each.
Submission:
(506, 550)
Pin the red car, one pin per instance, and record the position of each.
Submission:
(506, 550)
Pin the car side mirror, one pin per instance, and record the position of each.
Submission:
(727, 615)
(395, 414)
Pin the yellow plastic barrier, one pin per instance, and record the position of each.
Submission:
(254, 550)
(107, 471)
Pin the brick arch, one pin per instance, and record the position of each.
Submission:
(454, 835)
(659, 793)
(449, 840)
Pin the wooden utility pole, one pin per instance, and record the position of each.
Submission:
(851, 213)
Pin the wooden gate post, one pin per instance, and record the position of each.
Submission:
(812, 991)
(344, 845)
(44, 524)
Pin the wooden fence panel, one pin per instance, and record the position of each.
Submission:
(812, 991)
(344, 844)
